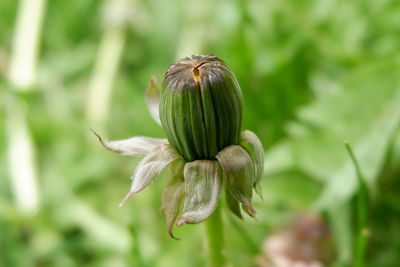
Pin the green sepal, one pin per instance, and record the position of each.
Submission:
(250, 142)
(239, 173)
(232, 203)
(173, 194)
(203, 181)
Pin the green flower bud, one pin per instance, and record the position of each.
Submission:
(201, 107)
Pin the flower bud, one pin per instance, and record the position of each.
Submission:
(201, 107)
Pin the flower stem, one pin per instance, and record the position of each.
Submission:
(215, 239)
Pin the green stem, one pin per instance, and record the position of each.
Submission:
(215, 239)
(361, 212)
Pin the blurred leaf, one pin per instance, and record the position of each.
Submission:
(364, 110)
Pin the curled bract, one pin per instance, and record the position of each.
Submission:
(150, 167)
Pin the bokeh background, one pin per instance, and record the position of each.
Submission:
(313, 73)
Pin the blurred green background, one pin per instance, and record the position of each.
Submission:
(313, 74)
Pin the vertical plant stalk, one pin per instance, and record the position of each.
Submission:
(215, 239)
(106, 65)
(25, 43)
(103, 76)
(361, 212)
(21, 76)
(21, 160)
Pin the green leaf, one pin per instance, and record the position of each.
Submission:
(364, 110)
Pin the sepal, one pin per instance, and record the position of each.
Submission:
(238, 173)
(153, 93)
(173, 194)
(203, 180)
(150, 167)
(134, 146)
(250, 142)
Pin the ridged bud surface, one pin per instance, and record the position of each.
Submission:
(201, 107)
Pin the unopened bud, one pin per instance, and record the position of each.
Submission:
(201, 107)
